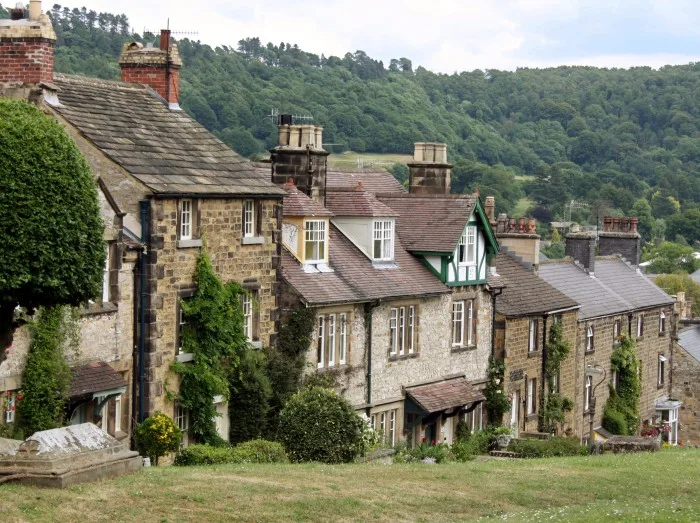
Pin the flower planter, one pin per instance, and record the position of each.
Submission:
(503, 440)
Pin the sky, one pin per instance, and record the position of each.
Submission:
(442, 35)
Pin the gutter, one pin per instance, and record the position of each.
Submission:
(143, 207)
(494, 295)
(544, 366)
(369, 308)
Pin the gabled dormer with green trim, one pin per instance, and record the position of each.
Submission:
(450, 234)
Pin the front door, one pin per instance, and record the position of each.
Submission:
(514, 413)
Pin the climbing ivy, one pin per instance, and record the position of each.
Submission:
(213, 334)
(497, 403)
(46, 376)
(554, 405)
(624, 402)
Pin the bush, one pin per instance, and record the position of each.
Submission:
(254, 451)
(260, 451)
(157, 436)
(478, 443)
(548, 448)
(440, 452)
(316, 424)
(615, 422)
(249, 403)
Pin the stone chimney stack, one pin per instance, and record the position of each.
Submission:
(490, 209)
(157, 67)
(519, 235)
(581, 246)
(429, 172)
(299, 156)
(620, 237)
(27, 43)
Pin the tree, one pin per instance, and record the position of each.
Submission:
(686, 224)
(249, 403)
(681, 282)
(667, 258)
(663, 205)
(52, 250)
(642, 210)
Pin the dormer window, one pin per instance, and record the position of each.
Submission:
(383, 249)
(315, 241)
(467, 246)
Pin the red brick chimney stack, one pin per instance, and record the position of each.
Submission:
(26, 49)
(157, 67)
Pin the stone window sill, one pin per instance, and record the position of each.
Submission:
(186, 244)
(184, 357)
(589, 352)
(662, 334)
(255, 344)
(533, 353)
(531, 416)
(98, 308)
(456, 349)
(253, 240)
(321, 370)
(399, 357)
(640, 338)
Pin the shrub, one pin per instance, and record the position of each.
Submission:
(316, 424)
(614, 421)
(440, 452)
(554, 447)
(157, 436)
(204, 455)
(259, 451)
(254, 451)
(462, 433)
(250, 396)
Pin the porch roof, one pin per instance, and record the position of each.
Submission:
(94, 377)
(444, 395)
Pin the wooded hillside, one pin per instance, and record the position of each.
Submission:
(623, 141)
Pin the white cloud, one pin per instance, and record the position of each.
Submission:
(441, 35)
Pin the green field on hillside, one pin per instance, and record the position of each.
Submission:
(664, 486)
(349, 160)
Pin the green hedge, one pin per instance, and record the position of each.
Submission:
(254, 451)
(615, 421)
(548, 448)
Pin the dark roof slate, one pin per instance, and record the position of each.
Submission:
(444, 395)
(356, 279)
(296, 203)
(94, 377)
(526, 294)
(689, 339)
(604, 294)
(166, 150)
(430, 223)
(356, 202)
(373, 181)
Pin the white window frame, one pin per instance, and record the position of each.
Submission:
(660, 379)
(590, 344)
(373, 422)
(393, 331)
(248, 218)
(382, 424)
(532, 336)
(402, 330)
(321, 347)
(555, 382)
(640, 326)
(104, 421)
(411, 327)
(181, 323)
(469, 324)
(383, 238)
(9, 414)
(118, 413)
(587, 393)
(530, 396)
(315, 235)
(616, 330)
(343, 350)
(392, 428)
(105, 275)
(247, 307)
(662, 322)
(331, 340)
(457, 323)
(614, 379)
(182, 418)
(477, 418)
(467, 246)
(186, 219)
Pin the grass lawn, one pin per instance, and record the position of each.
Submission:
(521, 207)
(638, 487)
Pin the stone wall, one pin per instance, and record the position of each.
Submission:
(649, 347)
(523, 365)
(171, 272)
(686, 388)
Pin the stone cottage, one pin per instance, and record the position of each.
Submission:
(686, 384)
(615, 298)
(177, 188)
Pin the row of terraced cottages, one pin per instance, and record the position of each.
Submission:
(410, 292)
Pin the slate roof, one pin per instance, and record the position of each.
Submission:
(94, 377)
(356, 279)
(689, 339)
(296, 203)
(616, 287)
(696, 276)
(373, 181)
(356, 202)
(430, 223)
(437, 397)
(525, 293)
(167, 151)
